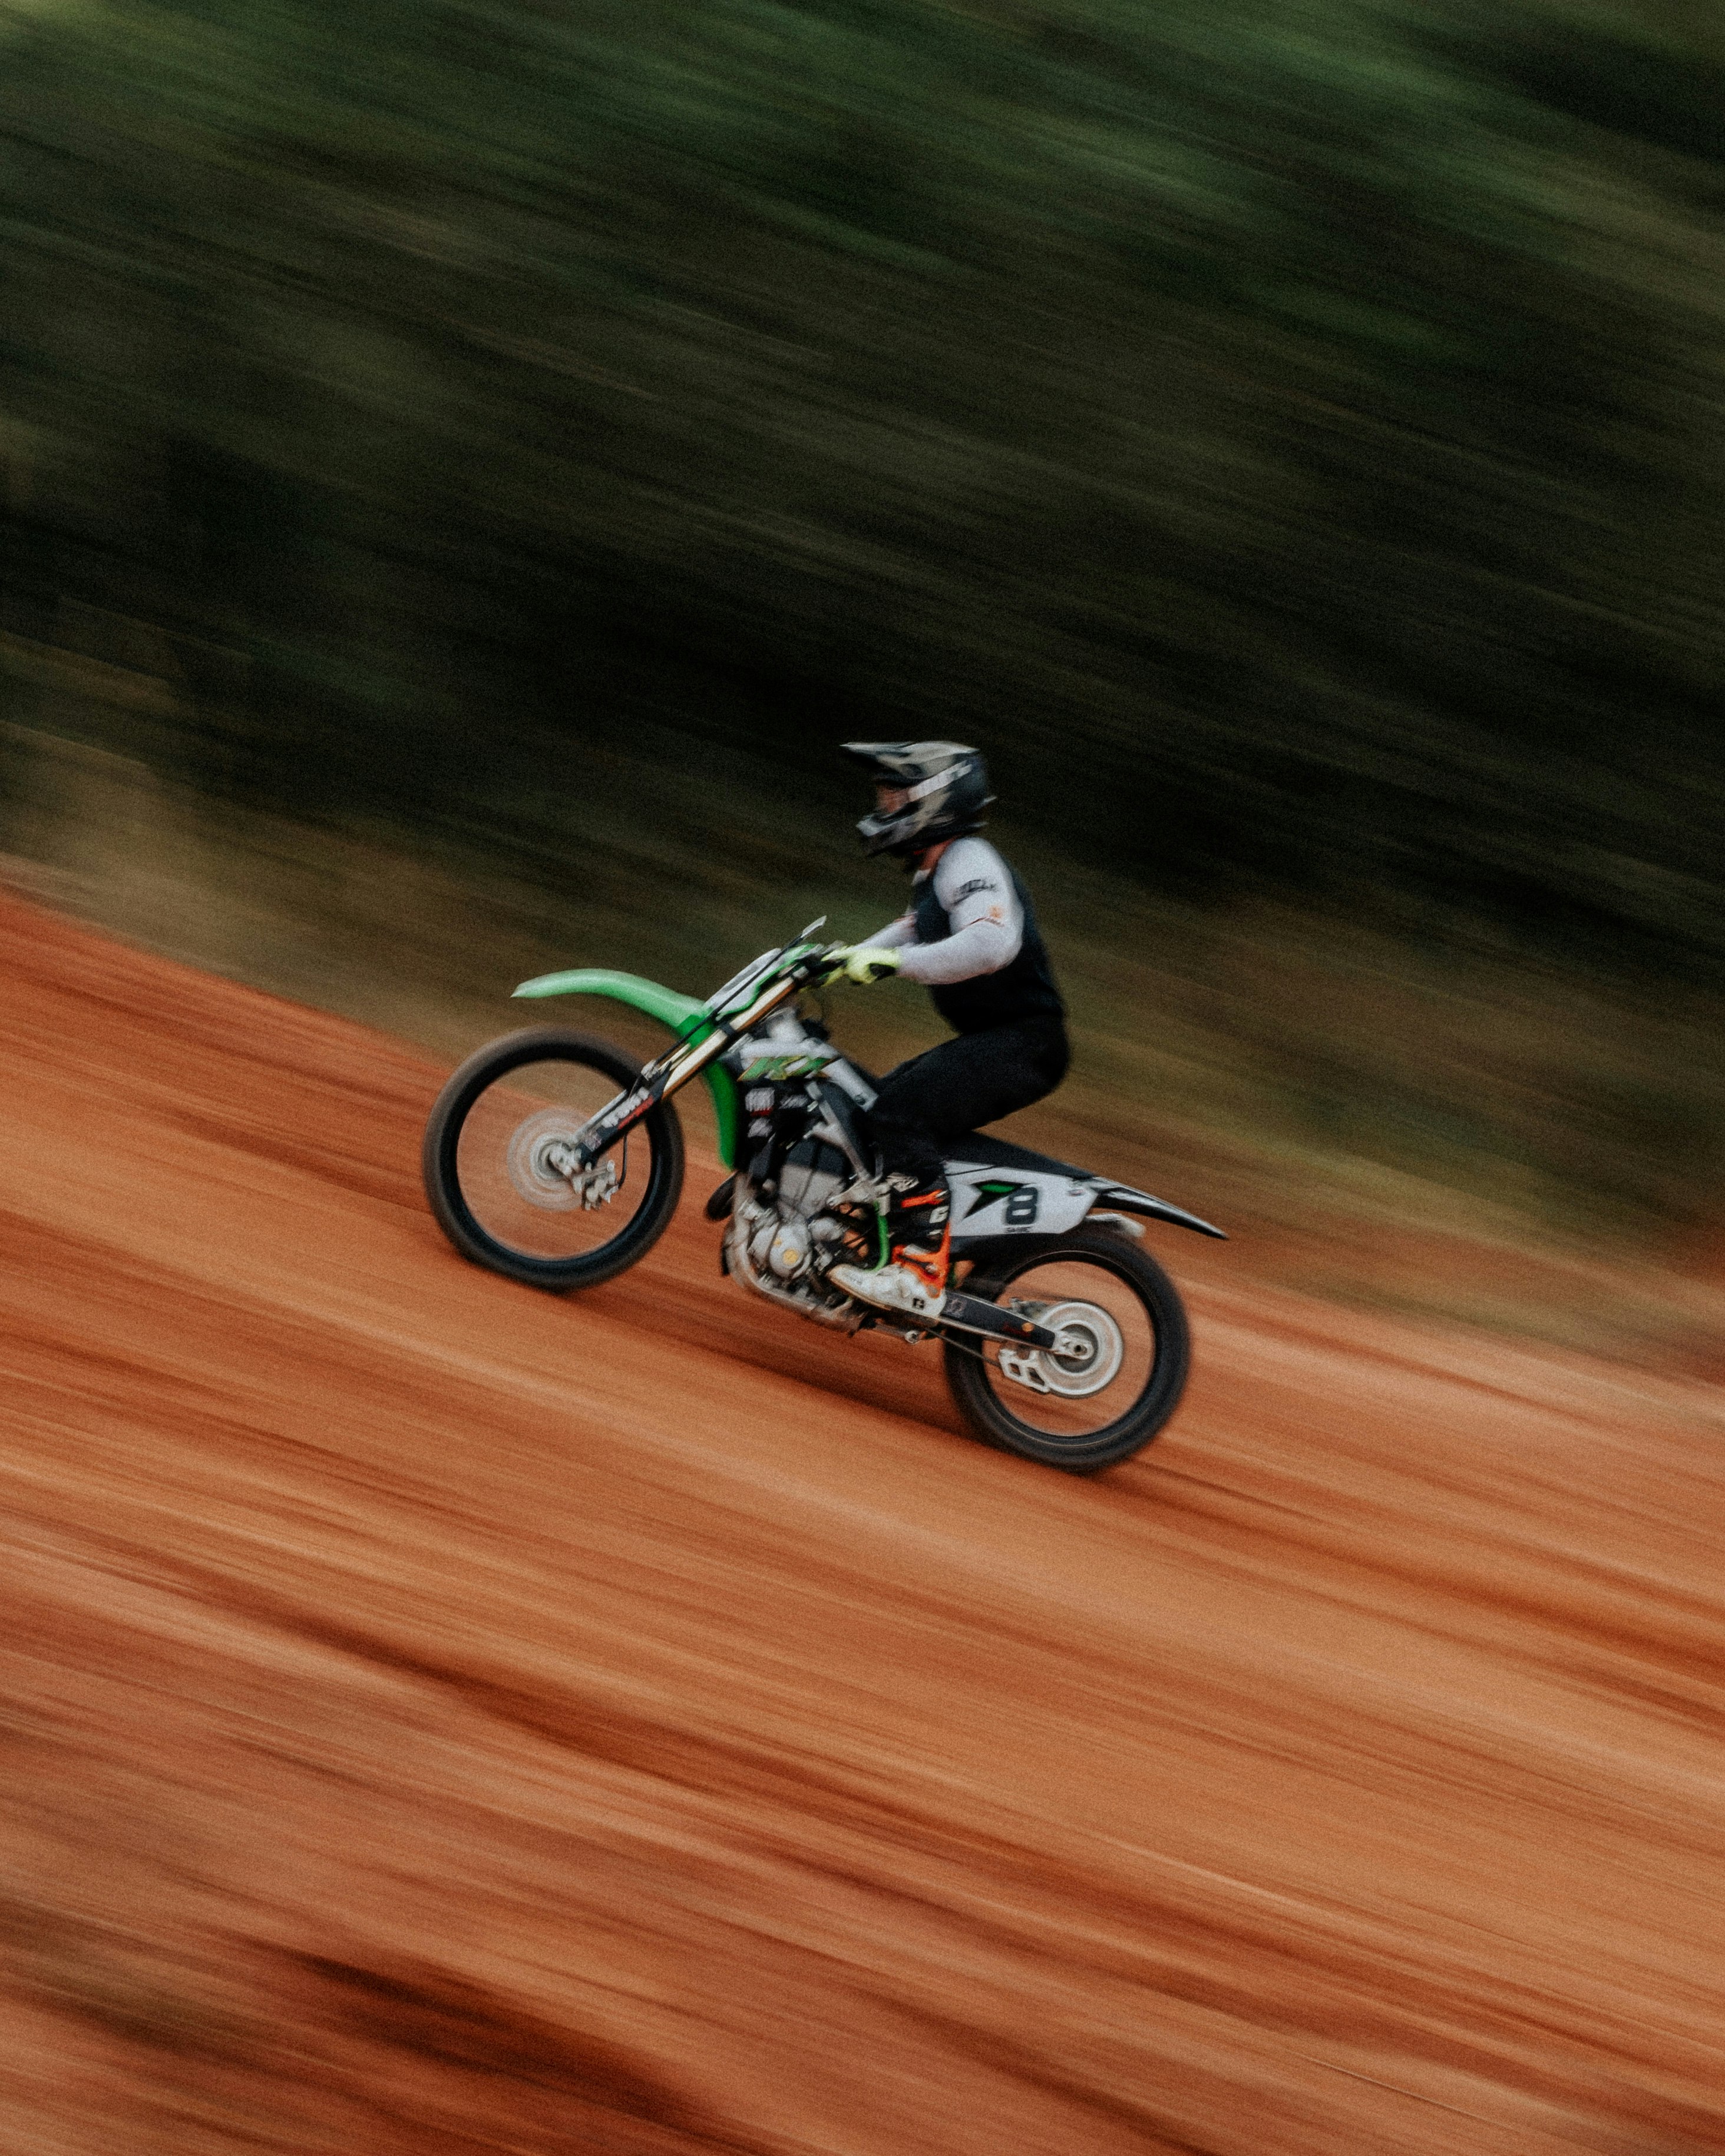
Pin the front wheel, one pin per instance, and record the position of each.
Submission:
(1125, 1363)
(495, 1152)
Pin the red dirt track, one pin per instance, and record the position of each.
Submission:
(440, 1718)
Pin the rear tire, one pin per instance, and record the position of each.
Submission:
(480, 1175)
(1074, 1435)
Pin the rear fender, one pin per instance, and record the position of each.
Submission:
(1121, 1197)
(1006, 1208)
(685, 1017)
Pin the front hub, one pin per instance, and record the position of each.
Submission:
(545, 1164)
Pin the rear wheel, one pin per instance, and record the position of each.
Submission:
(1119, 1374)
(491, 1156)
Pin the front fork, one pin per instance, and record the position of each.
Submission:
(666, 1075)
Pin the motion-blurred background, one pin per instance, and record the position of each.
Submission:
(466, 463)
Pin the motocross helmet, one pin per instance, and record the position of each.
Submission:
(945, 789)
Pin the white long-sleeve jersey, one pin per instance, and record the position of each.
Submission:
(976, 891)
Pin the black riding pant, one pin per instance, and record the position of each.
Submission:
(973, 1079)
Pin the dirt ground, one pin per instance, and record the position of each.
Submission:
(439, 1719)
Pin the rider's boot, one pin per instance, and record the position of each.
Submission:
(913, 1280)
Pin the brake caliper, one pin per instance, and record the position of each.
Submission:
(593, 1186)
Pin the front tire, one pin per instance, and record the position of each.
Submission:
(1138, 1336)
(497, 1199)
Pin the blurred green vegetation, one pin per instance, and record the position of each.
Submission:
(1288, 437)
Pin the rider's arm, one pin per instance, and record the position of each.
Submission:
(894, 936)
(975, 887)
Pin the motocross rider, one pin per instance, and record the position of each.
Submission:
(970, 937)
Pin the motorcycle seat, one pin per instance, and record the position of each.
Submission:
(977, 1149)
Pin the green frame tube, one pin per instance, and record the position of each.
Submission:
(670, 1010)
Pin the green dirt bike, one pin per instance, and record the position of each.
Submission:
(556, 1158)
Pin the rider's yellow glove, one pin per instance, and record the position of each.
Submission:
(864, 964)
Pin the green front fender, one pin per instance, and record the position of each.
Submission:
(670, 1010)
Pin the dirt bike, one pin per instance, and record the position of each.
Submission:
(556, 1159)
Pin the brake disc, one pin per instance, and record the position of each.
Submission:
(1088, 1351)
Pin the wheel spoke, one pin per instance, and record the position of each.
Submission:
(1113, 1373)
(504, 1169)
(1104, 1365)
(514, 1162)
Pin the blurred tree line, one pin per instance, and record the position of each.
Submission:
(1286, 435)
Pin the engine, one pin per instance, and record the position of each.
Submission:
(790, 1225)
(781, 1247)
(784, 1230)
(781, 1230)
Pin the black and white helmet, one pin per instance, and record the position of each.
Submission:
(946, 784)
